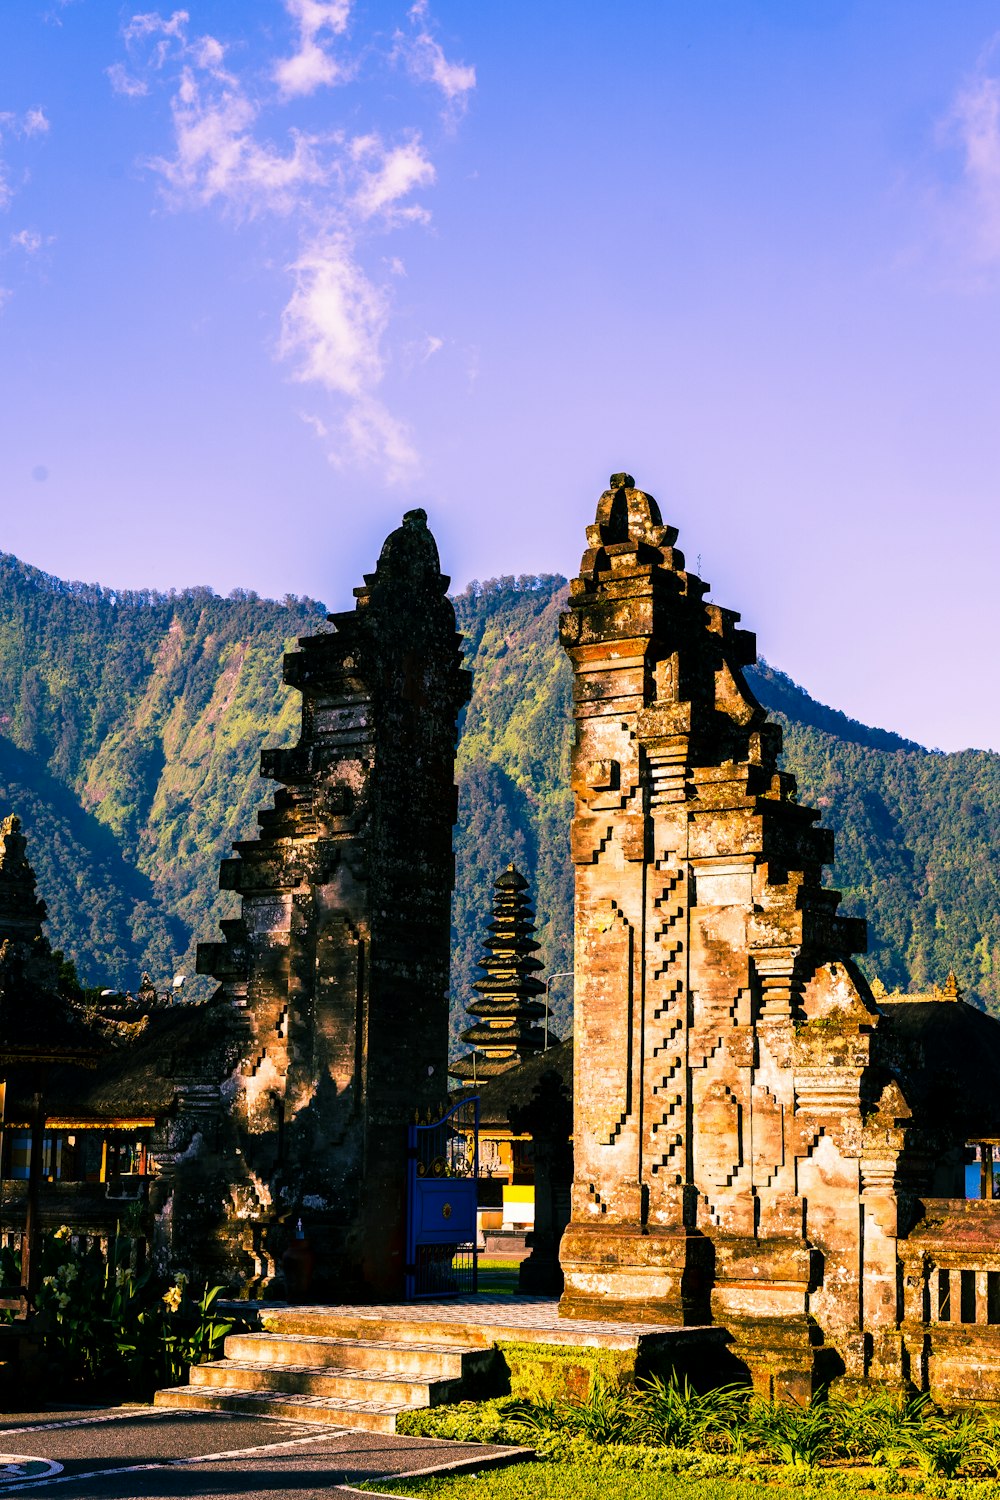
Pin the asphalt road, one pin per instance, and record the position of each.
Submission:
(144, 1453)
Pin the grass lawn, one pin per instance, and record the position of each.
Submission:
(499, 1277)
(578, 1482)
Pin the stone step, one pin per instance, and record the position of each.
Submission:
(368, 1416)
(425, 1361)
(326, 1381)
(347, 1325)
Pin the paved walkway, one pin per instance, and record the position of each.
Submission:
(534, 1313)
(145, 1453)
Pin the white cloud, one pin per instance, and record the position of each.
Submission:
(18, 127)
(331, 332)
(309, 69)
(975, 121)
(123, 83)
(28, 240)
(233, 150)
(217, 155)
(333, 324)
(378, 439)
(398, 171)
(153, 24)
(311, 66)
(426, 61)
(32, 122)
(317, 424)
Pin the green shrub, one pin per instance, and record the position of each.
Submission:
(905, 1444)
(108, 1329)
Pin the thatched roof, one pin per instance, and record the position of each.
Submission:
(946, 1055)
(138, 1080)
(519, 1087)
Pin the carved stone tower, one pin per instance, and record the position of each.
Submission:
(704, 938)
(339, 960)
(506, 1032)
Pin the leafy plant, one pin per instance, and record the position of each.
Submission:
(942, 1446)
(671, 1414)
(799, 1436)
(903, 1443)
(109, 1327)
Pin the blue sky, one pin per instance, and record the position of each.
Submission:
(273, 273)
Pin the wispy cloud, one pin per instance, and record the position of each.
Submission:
(425, 59)
(974, 121)
(218, 158)
(123, 83)
(312, 65)
(334, 320)
(16, 128)
(28, 240)
(395, 173)
(332, 333)
(232, 150)
(34, 122)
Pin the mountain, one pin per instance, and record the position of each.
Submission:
(130, 734)
(131, 726)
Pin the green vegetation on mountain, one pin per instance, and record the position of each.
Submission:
(130, 733)
(131, 726)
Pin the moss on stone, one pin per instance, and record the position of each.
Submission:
(546, 1372)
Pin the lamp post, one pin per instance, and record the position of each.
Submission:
(562, 974)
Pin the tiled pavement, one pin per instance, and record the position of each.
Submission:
(538, 1314)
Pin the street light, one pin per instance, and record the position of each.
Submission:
(563, 974)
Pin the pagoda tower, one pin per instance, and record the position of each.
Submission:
(505, 1033)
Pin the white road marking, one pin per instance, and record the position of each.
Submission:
(20, 1465)
(176, 1463)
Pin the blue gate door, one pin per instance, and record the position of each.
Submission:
(441, 1234)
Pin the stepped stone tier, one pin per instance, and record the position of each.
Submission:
(753, 1138)
(339, 960)
(506, 1033)
(360, 1367)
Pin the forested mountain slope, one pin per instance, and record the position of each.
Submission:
(139, 719)
(131, 726)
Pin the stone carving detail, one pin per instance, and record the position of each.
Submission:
(337, 967)
(702, 922)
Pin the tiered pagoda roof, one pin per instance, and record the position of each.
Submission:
(505, 1033)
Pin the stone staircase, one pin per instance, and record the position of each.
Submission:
(338, 1378)
(361, 1366)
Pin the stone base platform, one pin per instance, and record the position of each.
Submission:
(360, 1366)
